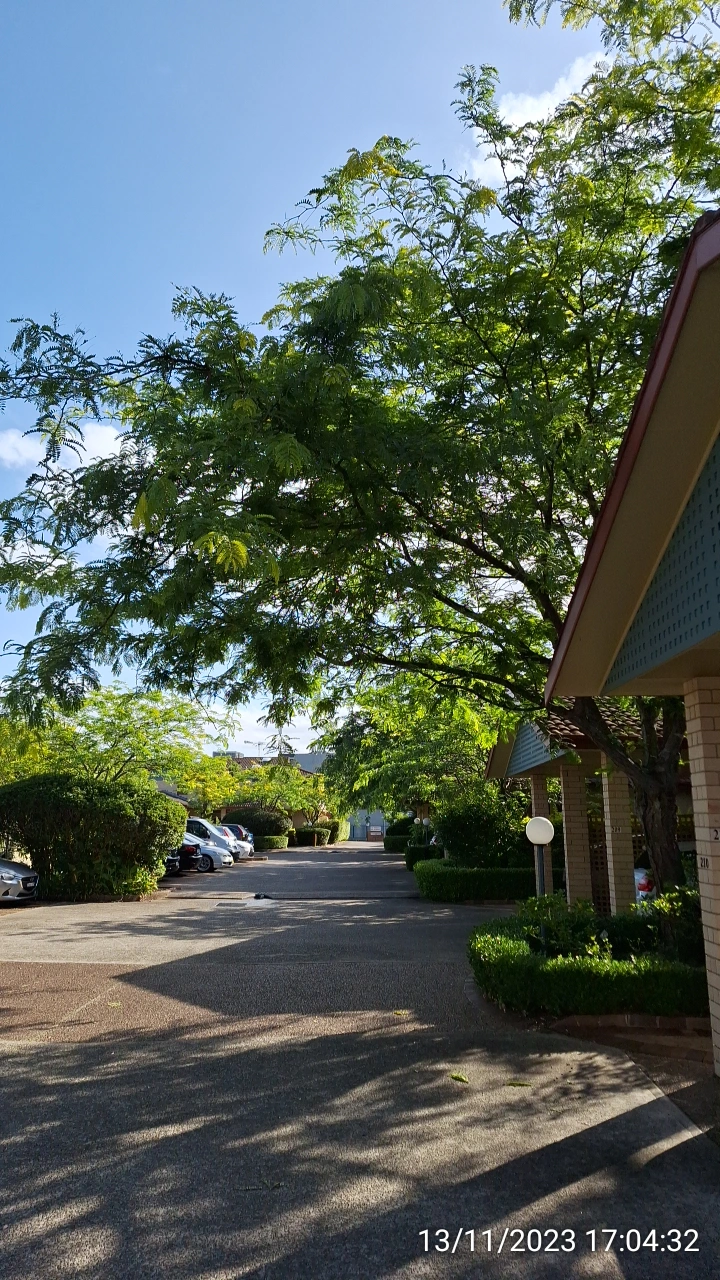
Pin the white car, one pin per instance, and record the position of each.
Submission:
(212, 857)
(219, 836)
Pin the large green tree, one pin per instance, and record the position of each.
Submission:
(404, 474)
(402, 744)
(117, 734)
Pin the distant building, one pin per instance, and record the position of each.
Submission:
(365, 825)
(307, 761)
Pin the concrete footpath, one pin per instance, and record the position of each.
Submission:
(211, 1085)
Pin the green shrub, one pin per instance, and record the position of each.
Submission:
(486, 829)
(271, 842)
(550, 925)
(397, 843)
(420, 834)
(419, 853)
(292, 838)
(88, 838)
(676, 915)
(670, 926)
(508, 972)
(401, 827)
(262, 822)
(321, 834)
(339, 830)
(443, 881)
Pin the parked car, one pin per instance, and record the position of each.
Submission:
(211, 857)
(240, 833)
(220, 836)
(189, 854)
(244, 837)
(18, 883)
(172, 864)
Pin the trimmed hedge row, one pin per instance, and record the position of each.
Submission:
(444, 881)
(419, 853)
(512, 975)
(396, 843)
(264, 843)
(321, 834)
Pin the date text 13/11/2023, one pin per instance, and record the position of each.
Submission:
(552, 1240)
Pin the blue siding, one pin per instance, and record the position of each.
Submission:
(530, 749)
(682, 603)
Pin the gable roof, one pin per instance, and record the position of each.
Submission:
(674, 425)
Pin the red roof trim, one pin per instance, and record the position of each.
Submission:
(703, 249)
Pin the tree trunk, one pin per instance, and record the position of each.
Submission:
(657, 810)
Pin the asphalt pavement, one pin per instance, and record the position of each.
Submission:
(213, 1085)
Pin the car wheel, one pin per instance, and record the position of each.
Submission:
(206, 863)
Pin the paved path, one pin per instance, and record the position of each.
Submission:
(217, 1086)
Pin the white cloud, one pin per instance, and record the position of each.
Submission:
(20, 450)
(17, 449)
(518, 108)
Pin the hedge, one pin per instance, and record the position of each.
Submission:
(271, 842)
(339, 829)
(87, 838)
(512, 975)
(419, 853)
(395, 843)
(262, 822)
(401, 826)
(322, 835)
(444, 881)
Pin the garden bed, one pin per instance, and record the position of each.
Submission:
(516, 977)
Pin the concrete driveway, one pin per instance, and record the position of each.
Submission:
(218, 1086)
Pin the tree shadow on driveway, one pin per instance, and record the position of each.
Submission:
(311, 1128)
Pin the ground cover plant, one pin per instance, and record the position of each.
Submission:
(87, 838)
(556, 959)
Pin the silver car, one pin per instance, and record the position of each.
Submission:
(219, 836)
(18, 882)
(212, 857)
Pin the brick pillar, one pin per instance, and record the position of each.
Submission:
(618, 839)
(578, 879)
(702, 710)
(541, 809)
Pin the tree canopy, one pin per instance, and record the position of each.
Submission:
(116, 735)
(402, 475)
(401, 745)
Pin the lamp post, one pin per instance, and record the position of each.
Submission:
(540, 832)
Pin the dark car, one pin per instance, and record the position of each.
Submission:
(172, 864)
(242, 833)
(189, 855)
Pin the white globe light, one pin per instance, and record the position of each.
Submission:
(540, 831)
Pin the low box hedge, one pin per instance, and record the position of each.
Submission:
(444, 881)
(419, 853)
(264, 843)
(395, 843)
(508, 972)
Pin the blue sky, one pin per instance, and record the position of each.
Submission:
(150, 143)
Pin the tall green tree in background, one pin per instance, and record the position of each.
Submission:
(403, 745)
(404, 474)
(116, 735)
